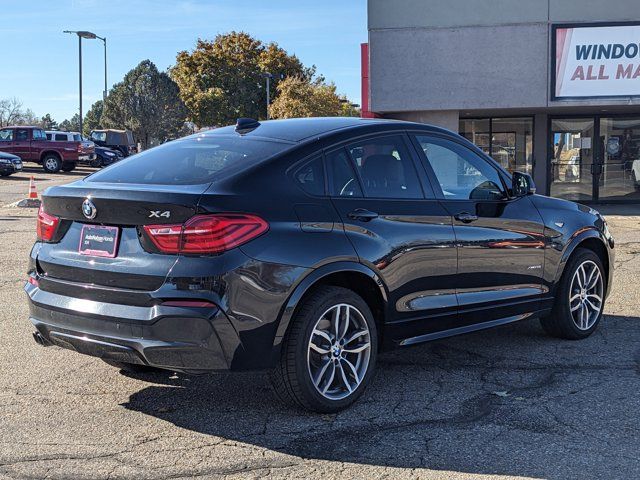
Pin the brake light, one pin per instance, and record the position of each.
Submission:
(207, 233)
(46, 226)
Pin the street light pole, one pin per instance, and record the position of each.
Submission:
(268, 76)
(104, 41)
(90, 36)
(80, 79)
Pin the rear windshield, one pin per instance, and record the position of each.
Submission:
(77, 137)
(191, 161)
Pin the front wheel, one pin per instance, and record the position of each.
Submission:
(579, 302)
(329, 354)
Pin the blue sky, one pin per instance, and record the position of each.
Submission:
(40, 63)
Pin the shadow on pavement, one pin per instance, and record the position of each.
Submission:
(504, 401)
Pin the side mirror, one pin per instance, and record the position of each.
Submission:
(522, 184)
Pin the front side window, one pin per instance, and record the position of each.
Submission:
(342, 178)
(461, 174)
(310, 177)
(6, 135)
(385, 168)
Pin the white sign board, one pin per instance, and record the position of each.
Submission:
(597, 61)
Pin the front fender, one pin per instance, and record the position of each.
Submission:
(308, 282)
(578, 238)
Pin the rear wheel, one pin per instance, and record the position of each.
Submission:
(579, 303)
(51, 163)
(68, 167)
(328, 356)
(96, 162)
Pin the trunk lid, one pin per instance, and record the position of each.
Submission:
(127, 207)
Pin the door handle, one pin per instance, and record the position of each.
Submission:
(362, 214)
(465, 217)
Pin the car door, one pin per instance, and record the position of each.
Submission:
(22, 143)
(398, 229)
(500, 239)
(7, 143)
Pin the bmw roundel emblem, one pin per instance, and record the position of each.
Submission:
(89, 209)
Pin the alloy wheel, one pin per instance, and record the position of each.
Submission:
(339, 351)
(586, 294)
(51, 163)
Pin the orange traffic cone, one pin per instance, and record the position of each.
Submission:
(33, 191)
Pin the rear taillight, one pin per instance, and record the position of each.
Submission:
(46, 226)
(204, 234)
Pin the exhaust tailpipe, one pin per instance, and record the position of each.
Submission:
(39, 339)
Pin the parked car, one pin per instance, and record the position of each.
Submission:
(106, 156)
(87, 145)
(116, 139)
(305, 247)
(31, 145)
(9, 164)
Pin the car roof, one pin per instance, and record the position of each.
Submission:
(23, 126)
(298, 130)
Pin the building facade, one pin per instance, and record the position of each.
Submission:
(549, 87)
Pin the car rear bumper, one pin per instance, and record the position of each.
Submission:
(178, 338)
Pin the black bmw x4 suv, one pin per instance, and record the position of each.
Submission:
(305, 247)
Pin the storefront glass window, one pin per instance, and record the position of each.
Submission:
(572, 161)
(620, 147)
(508, 140)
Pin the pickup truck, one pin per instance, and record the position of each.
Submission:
(31, 144)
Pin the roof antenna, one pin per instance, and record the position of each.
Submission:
(246, 125)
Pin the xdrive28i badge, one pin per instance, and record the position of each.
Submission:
(89, 209)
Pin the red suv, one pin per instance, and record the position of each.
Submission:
(31, 144)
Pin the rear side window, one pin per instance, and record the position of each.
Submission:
(310, 177)
(342, 178)
(191, 161)
(386, 168)
(60, 137)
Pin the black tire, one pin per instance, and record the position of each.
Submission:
(4, 174)
(51, 163)
(560, 322)
(130, 367)
(291, 379)
(96, 162)
(68, 167)
(634, 180)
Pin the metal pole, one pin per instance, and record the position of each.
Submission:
(268, 98)
(80, 77)
(104, 96)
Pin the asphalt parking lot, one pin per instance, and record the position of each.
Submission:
(504, 403)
